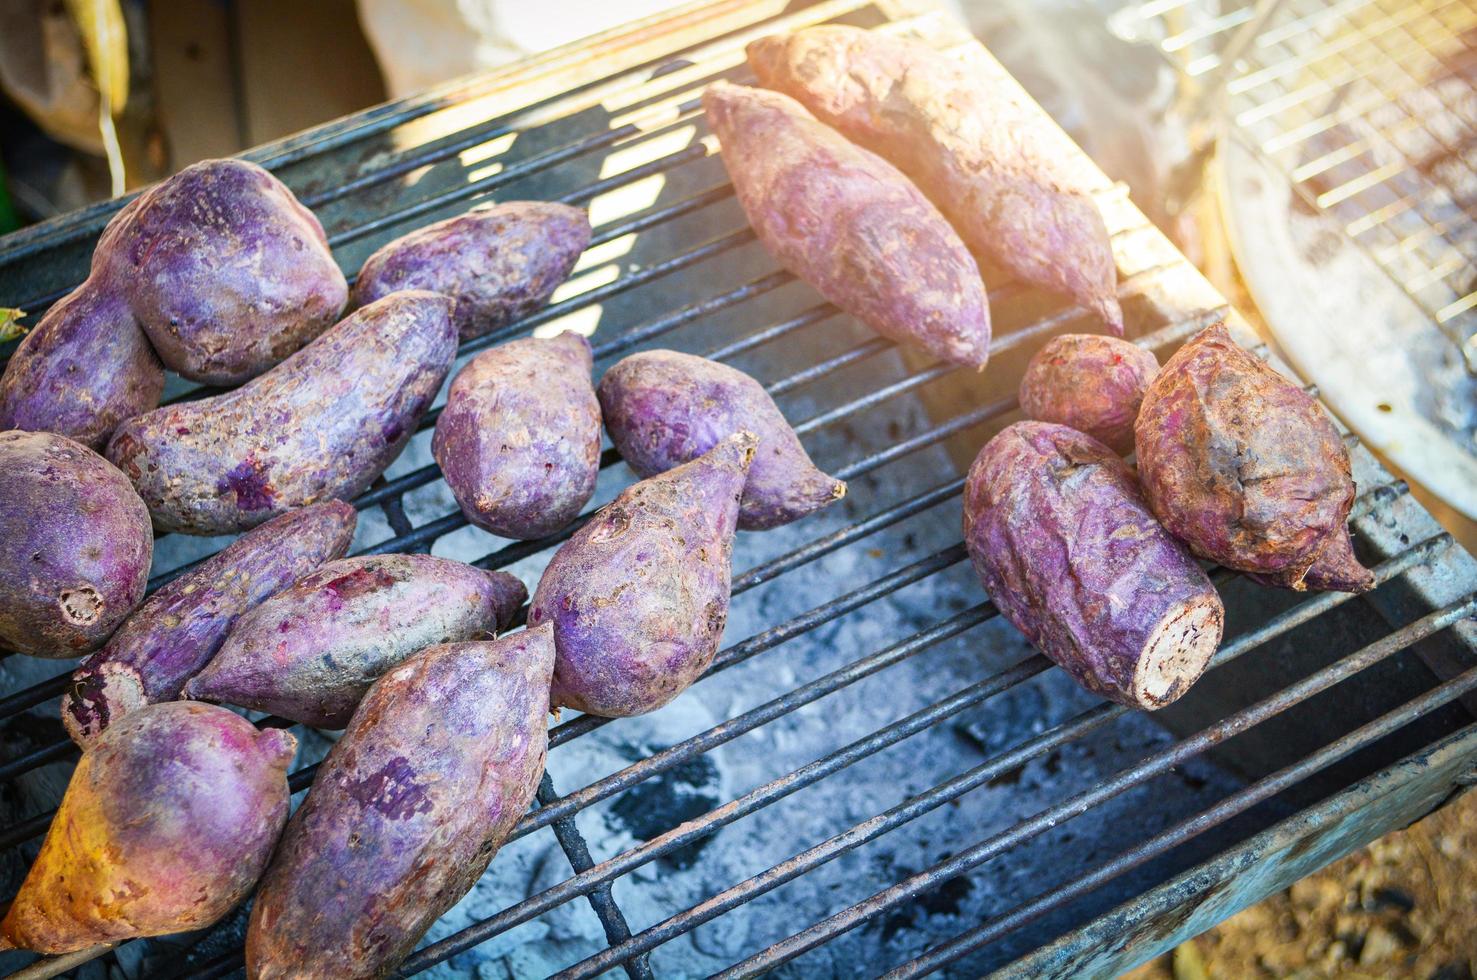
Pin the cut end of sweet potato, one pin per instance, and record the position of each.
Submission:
(1178, 650)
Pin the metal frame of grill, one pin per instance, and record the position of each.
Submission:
(373, 176)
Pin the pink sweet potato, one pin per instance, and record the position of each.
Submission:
(75, 546)
(847, 222)
(663, 408)
(311, 651)
(1092, 383)
(176, 632)
(1246, 468)
(1070, 553)
(440, 761)
(167, 823)
(519, 439)
(639, 596)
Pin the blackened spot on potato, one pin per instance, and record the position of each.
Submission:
(248, 481)
(392, 790)
(86, 703)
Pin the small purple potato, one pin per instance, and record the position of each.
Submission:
(1070, 553)
(437, 766)
(1244, 467)
(638, 597)
(966, 140)
(663, 409)
(499, 264)
(75, 546)
(519, 439)
(167, 823)
(847, 222)
(170, 637)
(1089, 382)
(322, 424)
(311, 651)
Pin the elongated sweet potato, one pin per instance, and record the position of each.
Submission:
(499, 264)
(1092, 383)
(847, 222)
(322, 424)
(311, 651)
(174, 634)
(519, 439)
(75, 546)
(1070, 553)
(967, 141)
(1244, 467)
(663, 408)
(639, 596)
(167, 823)
(440, 761)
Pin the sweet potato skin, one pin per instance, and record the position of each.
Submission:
(499, 264)
(966, 141)
(1244, 467)
(439, 763)
(75, 546)
(175, 633)
(322, 424)
(311, 651)
(519, 438)
(663, 408)
(167, 823)
(1070, 553)
(638, 597)
(1093, 384)
(847, 222)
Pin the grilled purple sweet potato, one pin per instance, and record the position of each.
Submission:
(1092, 383)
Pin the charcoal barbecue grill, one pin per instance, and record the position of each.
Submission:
(859, 642)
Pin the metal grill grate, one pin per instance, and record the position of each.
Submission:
(617, 121)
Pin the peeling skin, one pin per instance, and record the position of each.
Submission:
(75, 546)
(167, 823)
(663, 408)
(321, 425)
(967, 142)
(1244, 467)
(311, 651)
(176, 632)
(638, 596)
(1067, 548)
(847, 222)
(440, 761)
(519, 439)
(499, 264)
(1090, 383)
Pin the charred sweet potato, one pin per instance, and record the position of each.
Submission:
(440, 761)
(311, 651)
(1070, 553)
(519, 439)
(663, 408)
(847, 222)
(322, 424)
(1092, 383)
(75, 546)
(176, 632)
(1244, 467)
(639, 596)
(167, 823)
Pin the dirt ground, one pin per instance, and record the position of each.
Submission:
(1405, 906)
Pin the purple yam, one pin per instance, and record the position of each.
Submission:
(663, 408)
(176, 632)
(850, 224)
(1063, 541)
(639, 596)
(519, 438)
(311, 651)
(499, 264)
(438, 764)
(75, 546)
(1093, 384)
(167, 823)
(321, 425)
